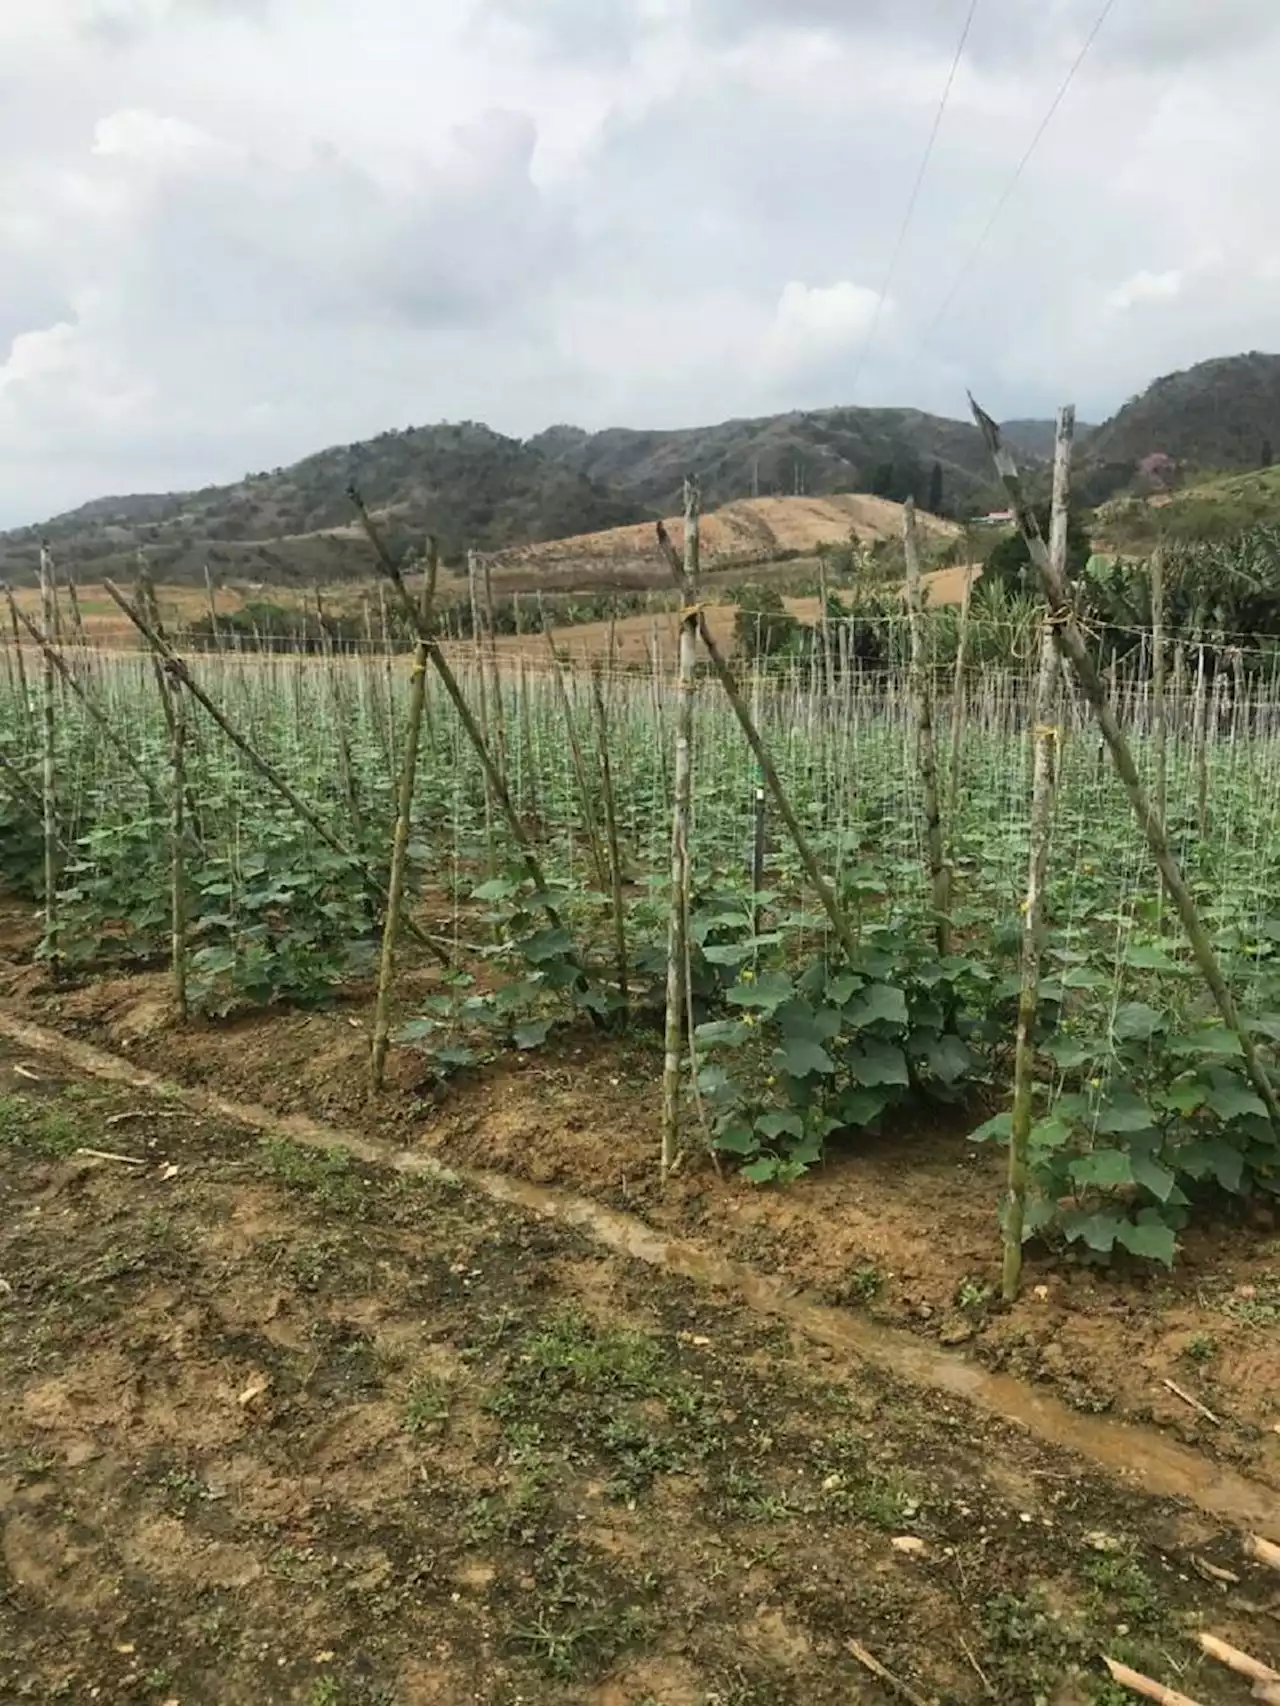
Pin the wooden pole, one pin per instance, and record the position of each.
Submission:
(615, 845)
(939, 874)
(1199, 743)
(449, 681)
(959, 701)
(179, 671)
(1071, 643)
(1159, 731)
(400, 834)
(1045, 737)
(49, 767)
(175, 720)
(589, 820)
(54, 659)
(724, 674)
(682, 794)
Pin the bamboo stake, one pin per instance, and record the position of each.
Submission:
(724, 674)
(178, 669)
(589, 820)
(212, 602)
(615, 849)
(1199, 744)
(1136, 1683)
(400, 835)
(682, 793)
(54, 658)
(48, 768)
(17, 651)
(959, 702)
(1044, 782)
(439, 662)
(337, 692)
(1071, 644)
(939, 875)
(1159, 732)
(176, 722)
(1242, 1663)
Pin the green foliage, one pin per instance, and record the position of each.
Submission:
(834, 1047)
(1010, 562)
(763, 626)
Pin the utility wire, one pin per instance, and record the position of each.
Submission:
(913, 199)
(1013, 182)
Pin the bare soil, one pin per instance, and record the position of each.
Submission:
(900, 1229)
(284, 1429)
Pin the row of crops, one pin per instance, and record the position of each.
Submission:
(549, 910)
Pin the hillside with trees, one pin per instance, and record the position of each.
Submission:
(889, 453)
(1220, 416)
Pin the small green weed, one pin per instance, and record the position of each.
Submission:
(1257, 1305)
(328, 1175)
(184, 1491)
(427, 1406)
(1125, 1592)
(604, 1361)
(973, 1296)
(865, 1284)
(1201, 1349)
(42, 1131)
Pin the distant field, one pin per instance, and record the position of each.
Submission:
(756, 530)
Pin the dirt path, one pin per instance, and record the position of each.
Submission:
(899, 1230)
(1153, 1463)
(285, 1428)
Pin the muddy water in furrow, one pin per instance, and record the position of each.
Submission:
(1143, 1457)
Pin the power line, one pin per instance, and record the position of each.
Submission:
(1013, 182)
(913, 198)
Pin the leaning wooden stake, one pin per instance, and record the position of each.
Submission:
(682, 794)
(400, 836)
(494, 777)
(54, 658)
(939, 875)
(179, 672)
(49, 767)
(1044, 773)
(1136, 1683)
(724, 674)
(1071, 643)
(1244, 1664)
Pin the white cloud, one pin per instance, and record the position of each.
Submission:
(153, 139)
(821, 320)
(234, 230)
(1146, 286)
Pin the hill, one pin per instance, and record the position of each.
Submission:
(1220, 415)
(473, 487)
(476, 488)
(887, 452)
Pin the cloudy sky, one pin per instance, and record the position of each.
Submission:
(234, 231)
